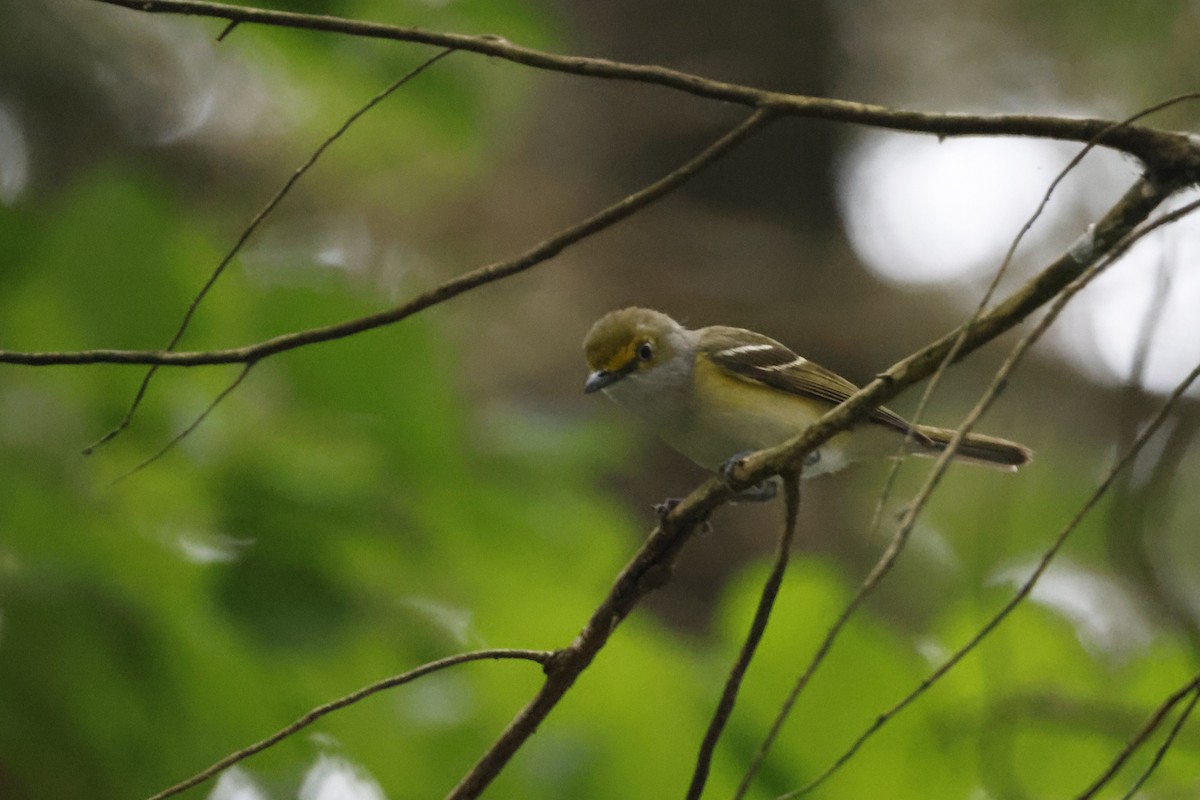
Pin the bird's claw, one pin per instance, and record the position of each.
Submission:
(759, 493)
(661, 510)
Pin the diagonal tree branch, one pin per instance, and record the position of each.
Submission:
(1134, 207)
(1126, 458)
(894, 548)
(652, 563)
(762, 615)
(908, 520)
(1159, 149)
(1144, 733)
(1167, 741)
(249, 230)
(439, 294)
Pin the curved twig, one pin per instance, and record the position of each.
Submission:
(888, 558)
(252, 227)
(439, 294)
(1156, 148)
(762, 615)
(651, 564)
(1192, 687)
(540, 656)
(906, 523)
(183, 434)
(1025, 589)
(1166, 743)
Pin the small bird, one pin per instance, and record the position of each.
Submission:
(716, 394)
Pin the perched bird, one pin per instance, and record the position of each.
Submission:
(718, 393)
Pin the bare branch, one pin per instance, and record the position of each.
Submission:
(791, 485)
(1151, 725)
(1106, 235)
(183, 434)
(1167, 742)
(1026, 588)
(1159, 149)
(439, 294)
(904, 527)
(651, 565)
(253, 226)
(894, 548)
(1006, 262)
(540, 656)
(1172, 162)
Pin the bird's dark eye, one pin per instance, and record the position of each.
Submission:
(645, 352)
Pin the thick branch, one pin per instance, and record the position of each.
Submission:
(1132, 209)
(1160, 150)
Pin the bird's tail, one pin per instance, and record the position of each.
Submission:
(991, 451)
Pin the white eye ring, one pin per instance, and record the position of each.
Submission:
(645, 352)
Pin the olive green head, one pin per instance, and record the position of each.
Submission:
(625, 342)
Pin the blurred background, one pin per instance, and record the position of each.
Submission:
(358, 508)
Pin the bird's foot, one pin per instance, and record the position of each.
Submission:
(661, 510)
(759, 493)
(666, 507)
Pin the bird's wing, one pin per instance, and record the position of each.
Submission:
(760, 359)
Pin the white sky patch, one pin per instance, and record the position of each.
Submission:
(436, 701)
(1156, 283)
(235, 784)
(919, 211)
(306, 250)
(1104, 614)
(458, 623)
(337, 779)
(201, 547)
(925, 213)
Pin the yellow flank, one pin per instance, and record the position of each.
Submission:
(710, 411)
(747, 398)
(734, 414)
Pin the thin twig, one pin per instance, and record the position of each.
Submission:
(883, 565)
(1025, 589)
(1148, 144)
(1006, 262)
(762, 615)
(1167, 742)
(650, 565)
(183, 434)
(908, 520)
(439, 294)
(249, 230)
(540, 656)
(1144, 733)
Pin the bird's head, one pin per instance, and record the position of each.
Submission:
(629, 342)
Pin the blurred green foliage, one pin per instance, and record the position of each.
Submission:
(347, 515)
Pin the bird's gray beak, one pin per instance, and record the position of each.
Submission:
(601, 378)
